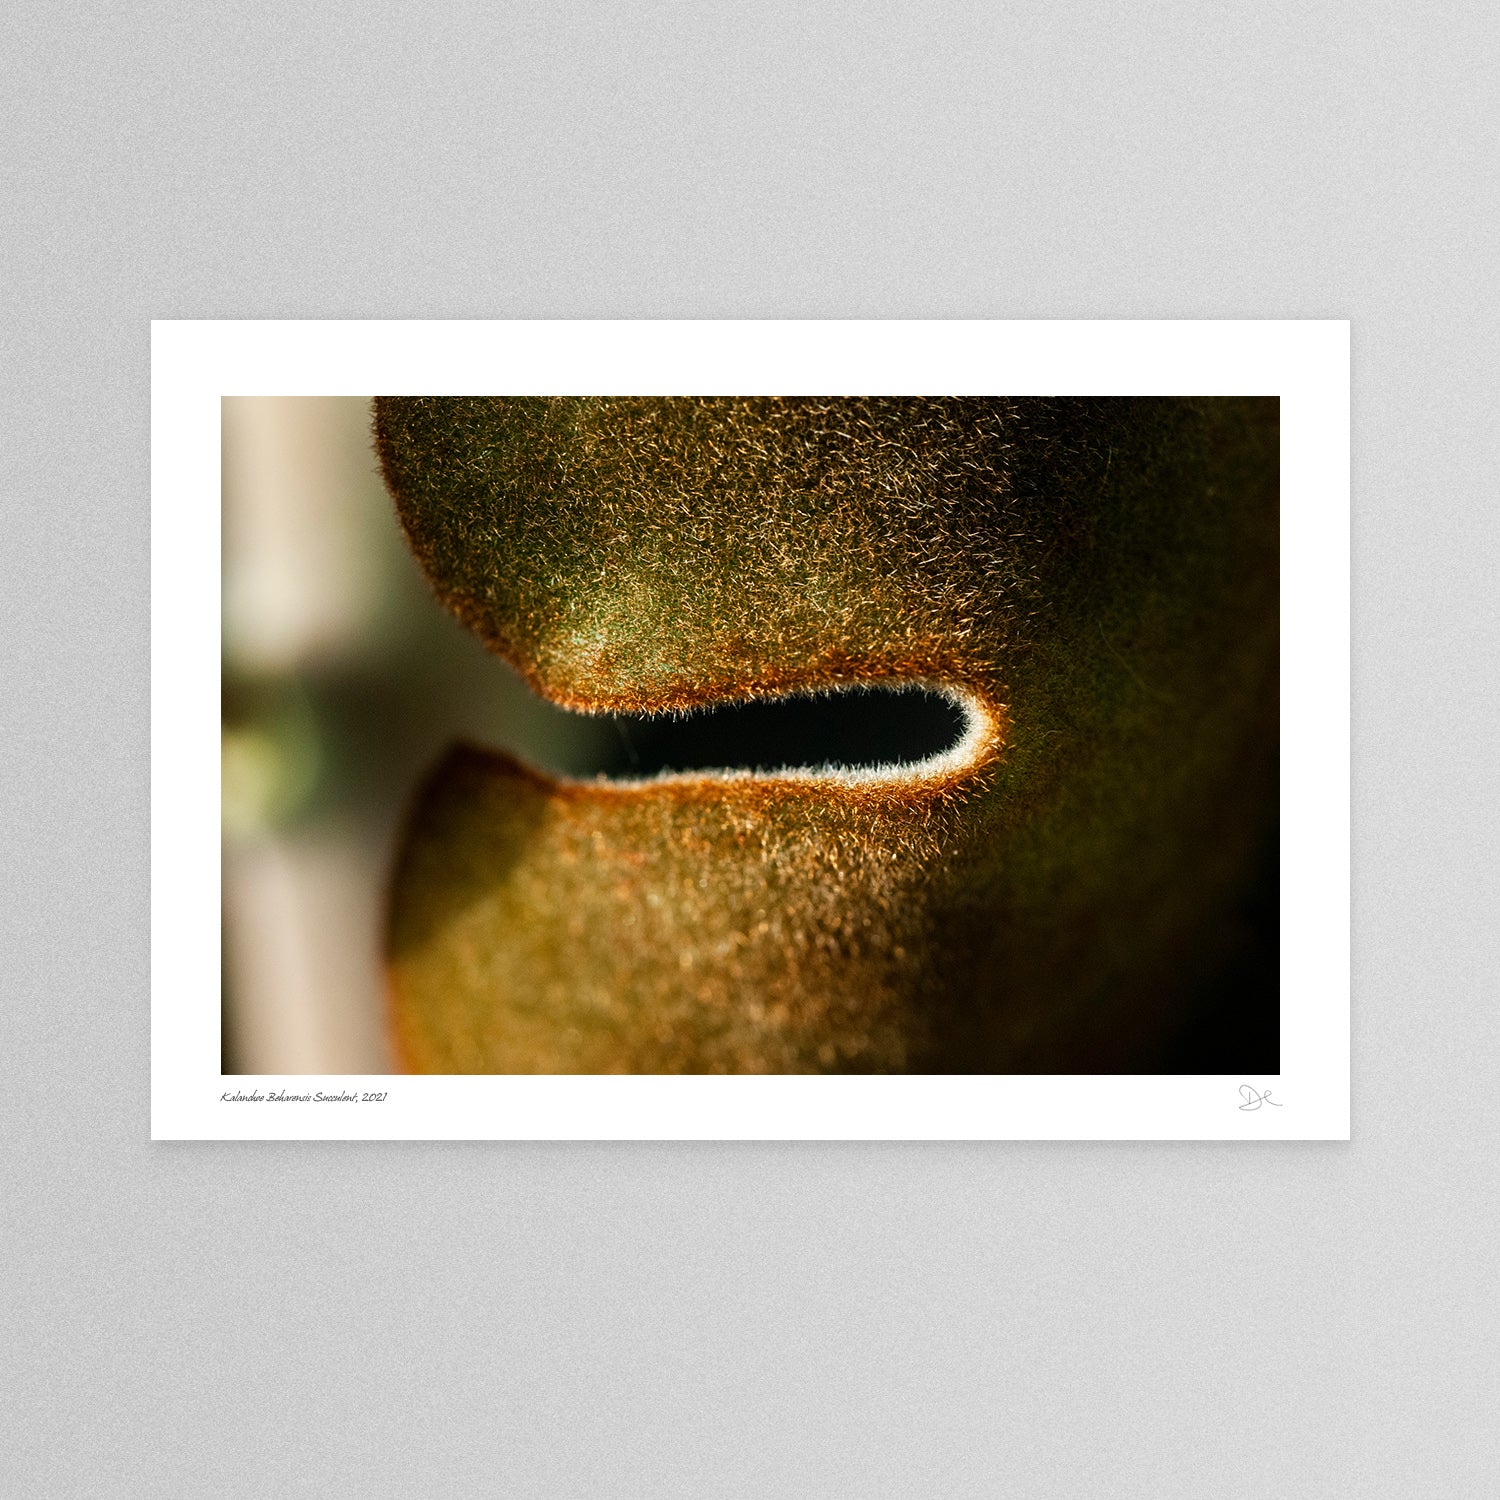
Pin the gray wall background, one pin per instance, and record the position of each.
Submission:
(663, 1320)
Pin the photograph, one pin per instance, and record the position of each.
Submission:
(750, 734)
(750, 730)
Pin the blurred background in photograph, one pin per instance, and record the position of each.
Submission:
(343, 681)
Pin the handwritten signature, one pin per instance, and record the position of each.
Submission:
(1254, 1098)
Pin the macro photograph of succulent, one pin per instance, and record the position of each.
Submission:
(751, 735)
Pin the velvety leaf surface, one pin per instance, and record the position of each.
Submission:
(1100, 576)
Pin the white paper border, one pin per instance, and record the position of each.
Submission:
(195, 364)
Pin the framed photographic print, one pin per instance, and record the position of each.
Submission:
(750, 730)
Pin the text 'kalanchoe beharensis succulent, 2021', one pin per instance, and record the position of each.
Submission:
(1087, 587)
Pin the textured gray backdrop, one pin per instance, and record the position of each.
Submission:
(438, 1320)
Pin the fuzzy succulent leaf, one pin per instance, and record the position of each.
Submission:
(1100, 576)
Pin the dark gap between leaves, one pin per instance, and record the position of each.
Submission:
(849, 730)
